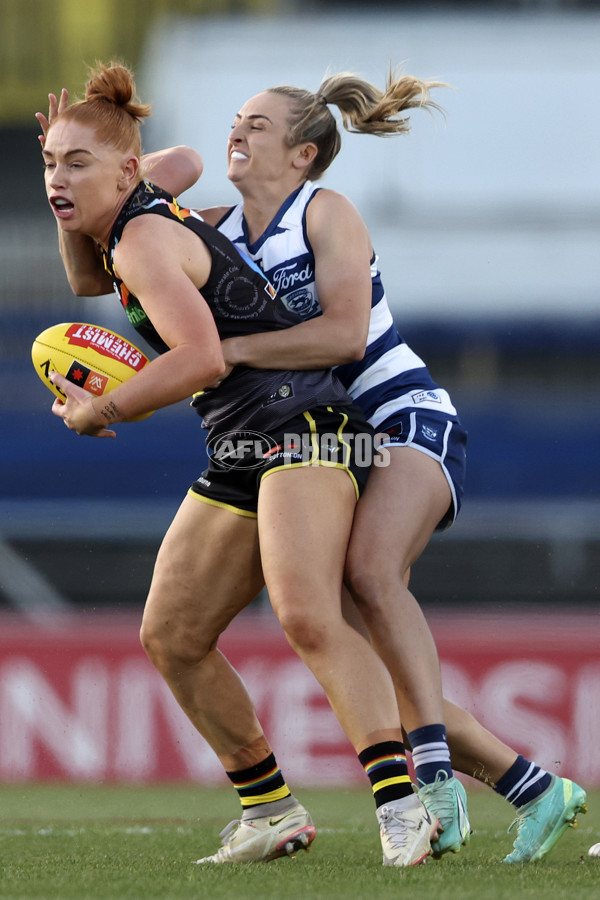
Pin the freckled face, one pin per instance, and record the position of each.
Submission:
(84, 179)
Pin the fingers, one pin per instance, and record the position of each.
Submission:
(44, 120)
(57, 378)
(58, 408)
(63, 102)
(67, 387)
(44, 125)
(56, 106)
(61, 382)
(75, 409)
(105, 433)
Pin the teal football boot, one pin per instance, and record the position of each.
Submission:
(544, 820)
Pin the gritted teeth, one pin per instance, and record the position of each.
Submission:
(235, 154)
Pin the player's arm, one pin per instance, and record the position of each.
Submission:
(174, 170)
(83, 265)
(342, 250)
(164, 270)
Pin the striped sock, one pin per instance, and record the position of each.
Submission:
(523, 782)
(385, 765)
(260, 784)
(430, 753)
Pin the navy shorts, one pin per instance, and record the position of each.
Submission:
(439, 436)
(336, 437)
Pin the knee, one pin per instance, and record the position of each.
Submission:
(151, 639)
(173, 645)
(156, 641)
(365, 582)
(304, 634)
(373, 585)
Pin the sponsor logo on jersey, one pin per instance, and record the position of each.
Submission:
(135, 314)
(302, 303)
(291, 275)
(430, 434)
(282, 393)
(425, 397)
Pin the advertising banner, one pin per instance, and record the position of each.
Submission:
(79, 700)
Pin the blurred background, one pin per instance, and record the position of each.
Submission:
(487, 224)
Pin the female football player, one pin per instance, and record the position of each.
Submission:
(185, 288)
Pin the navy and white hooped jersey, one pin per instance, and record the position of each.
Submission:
(391, 377)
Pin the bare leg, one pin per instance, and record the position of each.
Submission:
(303, 569)
(413, 495)
(207, 570)
(474, 750)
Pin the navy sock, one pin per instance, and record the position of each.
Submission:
(430, 753)
(523, 782)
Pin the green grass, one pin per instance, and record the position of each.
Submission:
(112, 843)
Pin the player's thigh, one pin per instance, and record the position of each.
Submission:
(304, 519)
(207, 569)
(399, 510)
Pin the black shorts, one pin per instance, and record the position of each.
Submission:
(337, 437)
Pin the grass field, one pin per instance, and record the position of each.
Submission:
(107, 843)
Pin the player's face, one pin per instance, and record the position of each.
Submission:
(256, 149)
(86, 182)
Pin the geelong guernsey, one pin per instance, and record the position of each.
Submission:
(390, 378)
(242, 301)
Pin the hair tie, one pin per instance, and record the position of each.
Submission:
(321, 98)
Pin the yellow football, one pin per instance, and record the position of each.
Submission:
(93, 357)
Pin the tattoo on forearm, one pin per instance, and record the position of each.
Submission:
(110, 412)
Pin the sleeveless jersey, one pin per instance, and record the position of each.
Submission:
(242, 301)
(390, 378)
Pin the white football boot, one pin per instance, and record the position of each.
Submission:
(265, 837)
(407, 829)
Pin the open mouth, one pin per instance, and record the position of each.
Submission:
(60, 204)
